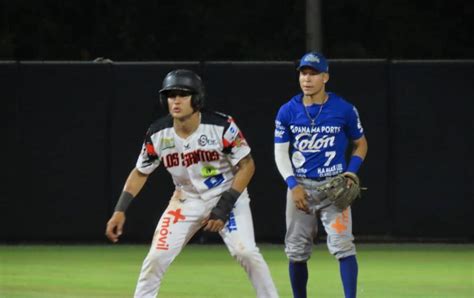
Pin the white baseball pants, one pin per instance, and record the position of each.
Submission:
(181, 220)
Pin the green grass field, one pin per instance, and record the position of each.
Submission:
(389, 270)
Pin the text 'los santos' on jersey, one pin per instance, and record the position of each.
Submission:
(200, 164)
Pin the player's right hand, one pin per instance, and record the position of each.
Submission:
(115, 226)
(299, 197)
(212, 225)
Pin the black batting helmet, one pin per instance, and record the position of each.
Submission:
(184, 80)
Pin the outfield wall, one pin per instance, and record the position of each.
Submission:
(74, 130)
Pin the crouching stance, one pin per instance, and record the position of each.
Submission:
(211, 166)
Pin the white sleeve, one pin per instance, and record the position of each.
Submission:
(235, 143)
(149, 158)
(282, 159)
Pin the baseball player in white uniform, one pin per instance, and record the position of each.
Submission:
(211, 166)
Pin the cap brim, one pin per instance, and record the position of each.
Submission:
(308, 66)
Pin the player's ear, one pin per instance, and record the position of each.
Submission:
(325, 77)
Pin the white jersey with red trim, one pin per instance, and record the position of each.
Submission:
(202, 164)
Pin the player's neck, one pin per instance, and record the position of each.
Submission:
(184, 127)
(317, 98)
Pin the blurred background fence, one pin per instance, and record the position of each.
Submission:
(74, 130)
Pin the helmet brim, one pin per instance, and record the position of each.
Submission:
(179, 88)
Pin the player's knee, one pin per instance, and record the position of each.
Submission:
(341, 248)
(297, 257)
(344, 254)
(298, 253)
(246, 255)
(160, 258)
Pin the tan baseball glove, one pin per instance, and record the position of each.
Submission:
(340, 191)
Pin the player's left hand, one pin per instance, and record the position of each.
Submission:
(339, 191)
(352, 177)
(213, 225)
(115, 226)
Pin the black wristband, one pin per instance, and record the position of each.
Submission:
(124, 200)
(224, 205)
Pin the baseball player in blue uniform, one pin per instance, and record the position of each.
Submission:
(312, 133)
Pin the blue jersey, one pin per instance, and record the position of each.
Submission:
(318, 150)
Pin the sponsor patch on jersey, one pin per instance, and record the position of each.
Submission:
(208, 171)
(166, 143)
(301, 172)
(279, 133)
(204, 141)
(298, 159)
(231, 132)
(239, 141)
(231, 224)
(330, 171)
(359, 124)
(214, 181)
(278, 125)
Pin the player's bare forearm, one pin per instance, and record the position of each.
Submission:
(135, 182)
(360, 147)
(245, 171)
(133, 185)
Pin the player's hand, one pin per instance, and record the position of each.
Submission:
(213, 225)
(299, 197)
(351, 176)
(115, 226)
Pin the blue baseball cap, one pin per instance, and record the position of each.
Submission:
(314, 60)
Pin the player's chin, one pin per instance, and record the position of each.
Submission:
(309, 92)
(181, 115)
(178, 114)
